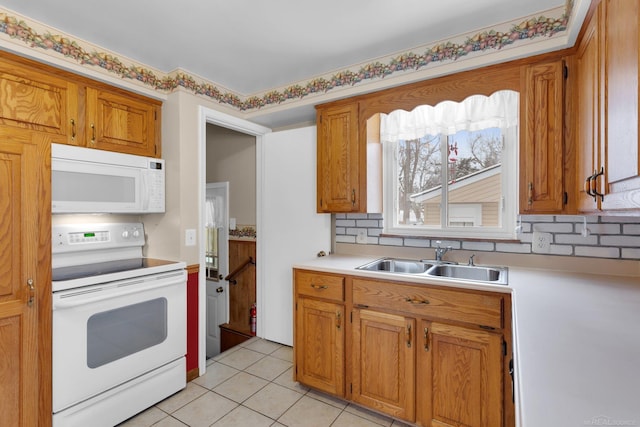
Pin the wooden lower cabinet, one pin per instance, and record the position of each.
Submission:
(407, 355)
(460, 373)
(383, 355)
(320, 345)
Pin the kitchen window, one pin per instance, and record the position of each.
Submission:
(450, 169)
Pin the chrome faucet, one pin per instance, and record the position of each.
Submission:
(441, 251)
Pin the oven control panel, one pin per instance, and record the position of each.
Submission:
(86, 237)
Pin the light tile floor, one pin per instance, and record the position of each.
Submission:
(252, 385)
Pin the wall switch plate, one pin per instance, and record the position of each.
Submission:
(541, 242)
(361, 237)
(190, 237)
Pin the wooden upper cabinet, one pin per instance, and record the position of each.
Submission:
(123, 123)
(36, 100)
(76, 110)
(341, 171)
(621, 149)
(541, 157)
(588, 114)
(608, 156)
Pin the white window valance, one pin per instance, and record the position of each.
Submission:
(448, 117)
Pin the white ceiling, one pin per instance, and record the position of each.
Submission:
(250, 46)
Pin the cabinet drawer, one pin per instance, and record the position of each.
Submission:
(320, 285)
(475, 308)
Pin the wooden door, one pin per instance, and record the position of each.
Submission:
(340, 170)
(621, 157)
(34, 100)
(588, 115)
(20, 282)
(541, 157)
(383, 362)
(123, 123)
(320, 345)
(466, 377)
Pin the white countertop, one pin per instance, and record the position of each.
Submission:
(577, 341)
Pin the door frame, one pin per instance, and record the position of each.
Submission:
(207, 115)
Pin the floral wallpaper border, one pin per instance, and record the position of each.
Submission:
(535, 27)
(243, 232)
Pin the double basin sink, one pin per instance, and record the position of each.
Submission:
(441, 269)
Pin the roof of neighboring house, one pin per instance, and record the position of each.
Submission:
(476, 179)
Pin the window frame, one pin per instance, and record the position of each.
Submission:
(508, 206)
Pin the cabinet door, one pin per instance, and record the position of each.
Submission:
(18, 267)
(340, 170)
(542, 189)
(33, 100)
(384, 362)
(319, 345)
(117, 122)
(621, 181)
(466, 377)
(588, 115)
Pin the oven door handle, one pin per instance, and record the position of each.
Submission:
(89, 296)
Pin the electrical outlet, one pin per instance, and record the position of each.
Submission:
(541, 242)
(361, 237)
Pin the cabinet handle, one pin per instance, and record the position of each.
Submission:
(426, 339)
(353, 197)
(530, 193)
(594, 186)
(32, 290)
(73, 130)
(416, 301)
(338, 319)
(408, 335)
(314, 286)
(93, 133)
(587, 186)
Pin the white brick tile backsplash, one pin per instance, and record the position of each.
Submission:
(597, 252)
(561, 250)
(628, 241)
(610, 237)
(519, 248)
(364, 223)
(479, 246)
(553, 227)
(345, 239)
(345, 223)
(631, 229)
(575, 239)
(417, 243)
(631, 253)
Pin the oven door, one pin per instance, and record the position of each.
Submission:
(105, 335)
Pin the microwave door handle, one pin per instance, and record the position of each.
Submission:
(145, 191)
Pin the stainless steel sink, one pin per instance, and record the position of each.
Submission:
(470, 272)
(494, 275)
(393, 265)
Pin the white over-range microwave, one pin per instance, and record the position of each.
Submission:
(85, 180)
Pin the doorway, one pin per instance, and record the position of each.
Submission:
(230, 158)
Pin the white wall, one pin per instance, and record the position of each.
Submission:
(180, 136)
(231, 156)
